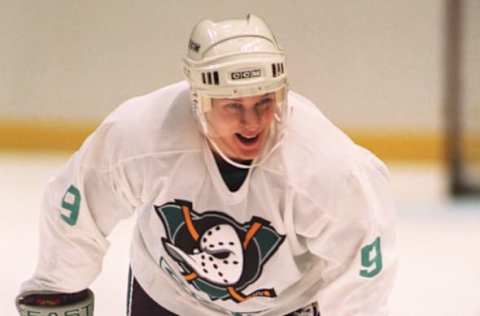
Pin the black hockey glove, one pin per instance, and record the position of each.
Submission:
(54, 299)
(49, 303)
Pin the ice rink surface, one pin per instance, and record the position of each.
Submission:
(438, 240)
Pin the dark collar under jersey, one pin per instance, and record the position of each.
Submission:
(233, 176)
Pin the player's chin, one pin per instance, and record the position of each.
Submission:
(245, 155)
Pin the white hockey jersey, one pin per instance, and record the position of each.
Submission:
(313, 223)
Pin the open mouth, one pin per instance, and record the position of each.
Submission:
(247, 140)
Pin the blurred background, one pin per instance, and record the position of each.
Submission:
(401, 77)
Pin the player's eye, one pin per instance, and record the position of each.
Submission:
(233, 107)
(264, 102)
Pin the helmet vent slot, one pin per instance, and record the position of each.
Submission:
(277, 69)
(211, 78)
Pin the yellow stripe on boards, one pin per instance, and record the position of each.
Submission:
(396, 145)
(402, 145)
(43, 136)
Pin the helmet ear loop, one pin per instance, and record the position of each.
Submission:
(201, 104)
(282, 113)
(207, 127)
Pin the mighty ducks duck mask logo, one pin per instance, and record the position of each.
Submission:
(218, 255)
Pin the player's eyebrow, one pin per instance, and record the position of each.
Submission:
(240, 99)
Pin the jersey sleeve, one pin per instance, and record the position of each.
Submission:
(81, 206)
(353, 242)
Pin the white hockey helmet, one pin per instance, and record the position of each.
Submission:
(235, 58)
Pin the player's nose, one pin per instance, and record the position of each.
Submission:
(250, 119)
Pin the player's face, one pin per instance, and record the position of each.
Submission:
(241, 125)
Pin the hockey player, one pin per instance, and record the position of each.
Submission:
(249, 201)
